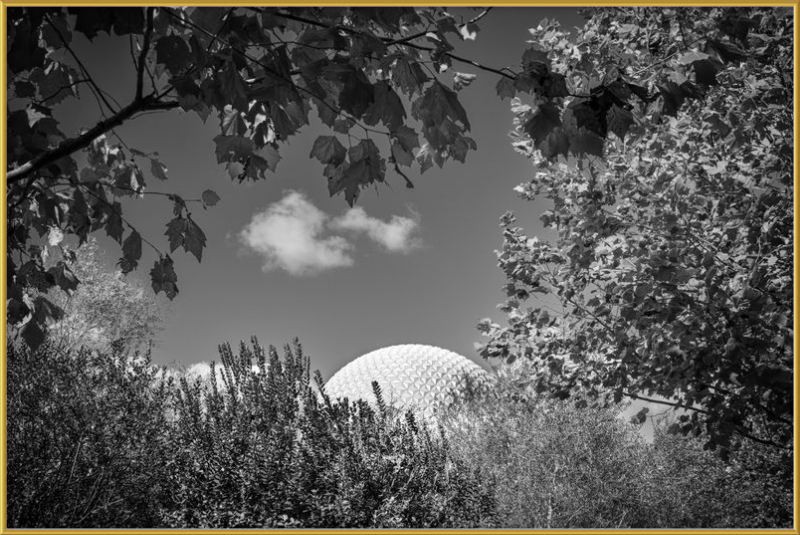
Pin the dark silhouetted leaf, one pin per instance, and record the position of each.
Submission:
(233, 86)
(64, 277)
(33, 334)
(505, 88)
(542, 123)
(210, 198)
(194, 239)
(163, 277)
(158, 169)
(131, 251)
(25, 52)
(173, 52)
(328, 149)
(387, 107)
(619, 120)
(233, 148)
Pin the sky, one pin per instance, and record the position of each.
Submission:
(284, 260)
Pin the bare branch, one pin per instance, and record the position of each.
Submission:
(99, 93)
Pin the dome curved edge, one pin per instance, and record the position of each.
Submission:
(415, 376)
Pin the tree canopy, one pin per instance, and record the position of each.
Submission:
(662, 136)
(672, 270)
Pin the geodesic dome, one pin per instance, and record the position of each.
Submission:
(411, 376)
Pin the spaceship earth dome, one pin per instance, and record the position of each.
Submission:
(411, 376)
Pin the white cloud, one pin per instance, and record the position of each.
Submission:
(397, 235)
(287, 235)
(294, 235)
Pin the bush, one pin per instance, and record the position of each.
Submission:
(753, 488)
(82, 429)
(266, 450)
(557, 466)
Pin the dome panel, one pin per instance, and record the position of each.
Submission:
(411, 376)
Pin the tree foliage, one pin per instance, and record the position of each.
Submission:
(671, 189)
(373, 76)
(106, 309)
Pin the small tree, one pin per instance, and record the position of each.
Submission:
(107, 308)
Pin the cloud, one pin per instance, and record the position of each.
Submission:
(287, 235)
(294, 235)
(396, 236)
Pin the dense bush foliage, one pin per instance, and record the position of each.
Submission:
(82, 431)
(104, 439)
(266, 450)
(558, 466)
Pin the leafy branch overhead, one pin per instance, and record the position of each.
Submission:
(260, 71)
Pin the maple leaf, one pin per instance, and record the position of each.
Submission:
(113, 223)
(33, 334)
(439, 104)
(131, 252)
(194, 239)
(554, 144)
(173, 52)
(535, 61)
(505, 88)
(407, 138)
(64, 277)
(367, 152)
(163, 277)
(233, 148)
(175, 231)
(619, 120)
(409, 76)
(387, 107)
(55, 82)
(328, 149)
(209, 197)
(401, 155)
(705, 71)
(233, 85)
(183, 231)
(543, 121)
(158, 169)
(584, 141)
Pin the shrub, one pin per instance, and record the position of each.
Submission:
(753, 488)
(82, 429)
(266, 450)
(558, 466)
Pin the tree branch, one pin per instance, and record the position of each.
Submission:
(664, 402)
(81, 142)
(267, 68)
(389, 41)
(739, 431)
(89, 78)
(148, 34)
